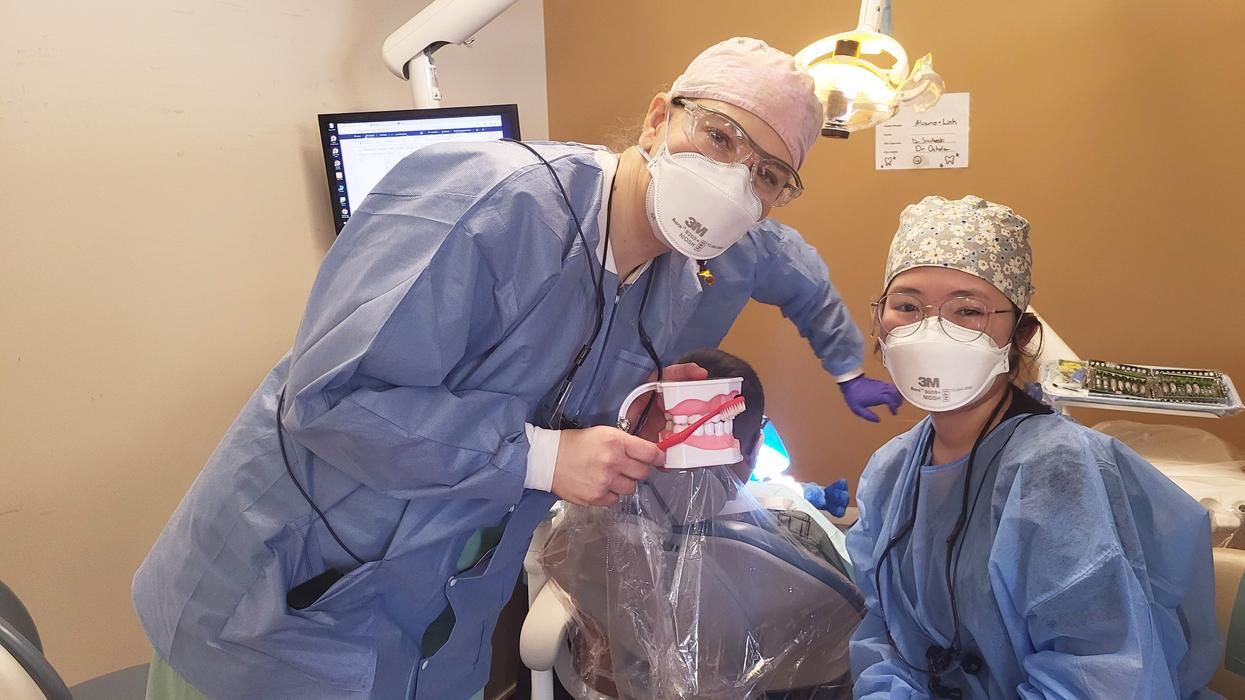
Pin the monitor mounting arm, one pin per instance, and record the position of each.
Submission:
(408, 50)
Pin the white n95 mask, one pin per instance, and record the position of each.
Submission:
(699, 207)
(935, 372)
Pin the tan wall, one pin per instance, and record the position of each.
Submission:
(164, 211)
(1110, 124)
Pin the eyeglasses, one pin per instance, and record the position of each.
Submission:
(721, 139)
(962, 318)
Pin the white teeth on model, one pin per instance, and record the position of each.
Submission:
(717, 425)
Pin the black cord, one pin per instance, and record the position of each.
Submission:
(600, 278)
(973, 509)
(648, 347)
(965, 514)
(877, 571)
(961, 523)
(598, 283)
(564, 386)
(307, 497)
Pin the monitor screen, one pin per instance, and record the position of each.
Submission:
(360, 147)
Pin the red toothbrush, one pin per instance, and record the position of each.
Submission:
(731, 408)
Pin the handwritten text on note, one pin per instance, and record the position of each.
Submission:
(922, 140)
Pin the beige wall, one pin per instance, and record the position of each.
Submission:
(164, 211)
(1110, 124)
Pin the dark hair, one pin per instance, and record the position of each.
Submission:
(1023, 363)
(719, 364)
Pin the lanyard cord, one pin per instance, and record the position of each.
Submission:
(966, 515)
(911, 524)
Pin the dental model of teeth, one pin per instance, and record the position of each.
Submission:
(714, 430)
(699, 428)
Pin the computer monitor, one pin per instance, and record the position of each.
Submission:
(361, 147)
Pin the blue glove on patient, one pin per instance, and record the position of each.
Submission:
(833, 498)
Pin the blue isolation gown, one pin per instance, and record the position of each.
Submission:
(442, 317)
(1085, 572)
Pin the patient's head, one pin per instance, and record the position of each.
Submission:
(719, 364)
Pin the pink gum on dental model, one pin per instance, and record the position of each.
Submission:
(692, 407)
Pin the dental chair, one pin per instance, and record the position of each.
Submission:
(26, 674)
(769, 616)
(1229, 681)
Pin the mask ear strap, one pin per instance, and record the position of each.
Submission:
(1020, 316)
(665, 139)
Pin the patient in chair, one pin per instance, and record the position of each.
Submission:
(691, 493)
(692, 589)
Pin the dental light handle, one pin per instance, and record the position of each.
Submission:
(875, 16)
(623, 423)
(424, 87)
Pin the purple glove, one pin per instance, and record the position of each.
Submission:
(862, 392)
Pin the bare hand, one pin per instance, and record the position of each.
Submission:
(597, 466)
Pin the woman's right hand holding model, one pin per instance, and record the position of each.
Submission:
(597, 466)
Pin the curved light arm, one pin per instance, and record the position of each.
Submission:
(408, 50)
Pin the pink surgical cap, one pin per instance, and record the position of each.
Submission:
(751, 75)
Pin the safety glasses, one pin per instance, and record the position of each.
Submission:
(722, 140)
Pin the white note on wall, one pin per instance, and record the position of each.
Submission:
(934, 139)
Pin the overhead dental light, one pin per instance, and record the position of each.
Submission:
(862, 76)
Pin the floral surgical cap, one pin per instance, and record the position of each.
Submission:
(971, 235)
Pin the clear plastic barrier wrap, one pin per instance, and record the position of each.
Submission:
(691, 589)
(1209, 468)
